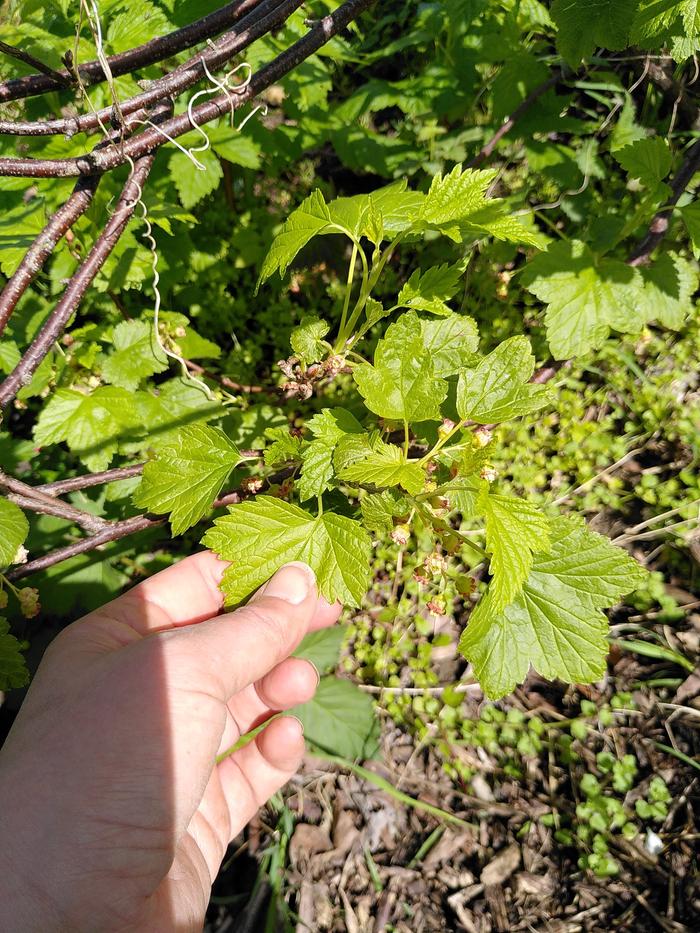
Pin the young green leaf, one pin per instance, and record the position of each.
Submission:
(135, 356)
(379, 510)
(385, 466)
(14, 528)
(453, 198)
(328, 427)
(451, 342)
(259, 536)
(498, 388)
(340, 720)
(402, 384)
(187, 475)
(556, 623)
(285, 446)
(307, 339)
(13, 668)
(309, 219)
(429, 290)
(515, 530)
(90, 424)
(457, 206)
(648, 159)
(585, 297)
(655, 19)
(193, 185)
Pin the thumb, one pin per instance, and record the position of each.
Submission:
(238, 648)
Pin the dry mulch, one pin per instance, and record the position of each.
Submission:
(354, 861)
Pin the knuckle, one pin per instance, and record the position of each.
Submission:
(275, 627)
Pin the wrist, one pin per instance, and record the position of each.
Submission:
(25, 907)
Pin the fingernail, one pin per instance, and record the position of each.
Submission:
(301, 724)
(311, 664)
(293, 583)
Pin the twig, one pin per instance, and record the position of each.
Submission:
(125, 62)
(62, 486)
(660, 224)
(225, 381)
(267, 15)
(675, 93)
(510, 121)
(28, 497)
(113, 532)
(150, 139)
(43, 246)
(78, 285)
(61, 80)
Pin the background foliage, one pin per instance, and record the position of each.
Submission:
(586, 116)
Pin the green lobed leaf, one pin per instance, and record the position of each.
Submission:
(457, 205)
(322, 648)
(668, 288)
(135, 356)
(90, 424)
(451, 342)
(429, 290)
(401, 384)
(259, 536)
(285, 446)
(385, 466)
(556, 624)
(648, 159)
(13, 667)
(586, 297)
(655, 18)
(340, 720)
(498, 388)
(193, 184)
(187, 475)
(515, 530)
(14, 529)
(310, 218)
(379, 510)
(307, 339)
(582, 25)
(328, 427)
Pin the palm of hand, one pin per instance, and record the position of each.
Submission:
(131, 708)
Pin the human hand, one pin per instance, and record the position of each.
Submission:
(115, 814)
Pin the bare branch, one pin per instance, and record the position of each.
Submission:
(675, 93)
(78, 285)
(267, 15)
(97, 162)
(113, 532)
(225, 381)
(34, 500)
(660, 224)
(510, 122)
(22, 56)
(125, 62)
(62, 486)
(43, 246)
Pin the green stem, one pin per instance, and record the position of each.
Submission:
(441, 443)
(406, 439)
(348, 288)
(366, 775)
(370, 279)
